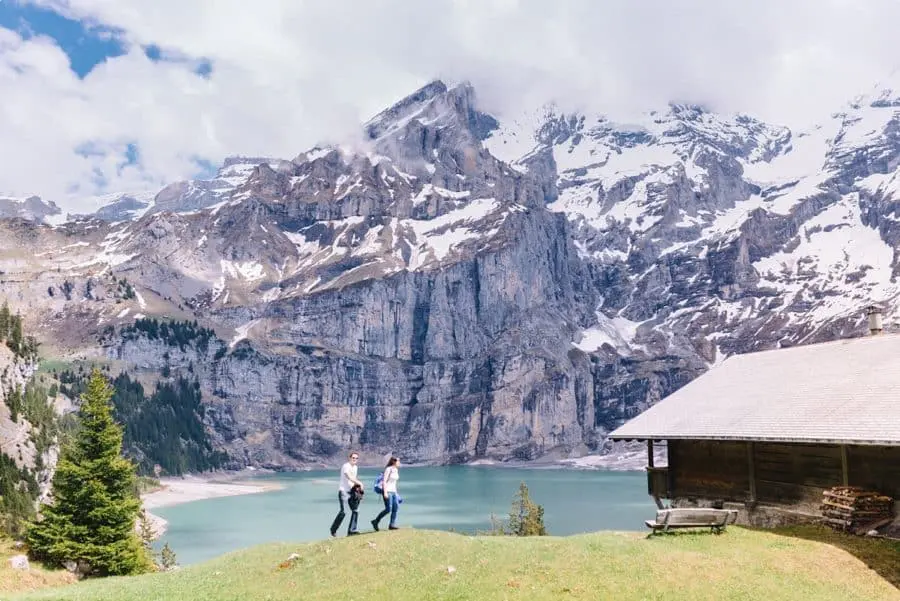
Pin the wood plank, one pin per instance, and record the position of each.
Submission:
(752, 470)
(786, 493)
(779, 450)
(844, 466)
(813, 470)
(822, 482)
(812, 450)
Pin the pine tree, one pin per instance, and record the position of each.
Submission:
(14, 402)
(146, 531)
(92, 518)
(16, 501)
(4, 321)
(167, 557)
(15, 335)
(526, 517)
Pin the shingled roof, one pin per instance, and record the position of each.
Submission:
(842, 392)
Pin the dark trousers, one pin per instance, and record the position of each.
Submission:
(354, 515)
(391, 506)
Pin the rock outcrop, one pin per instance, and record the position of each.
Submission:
(18, 436)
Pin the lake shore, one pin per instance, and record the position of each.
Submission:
(175, 491)
(614, 456)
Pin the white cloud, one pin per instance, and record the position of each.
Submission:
(289, 73)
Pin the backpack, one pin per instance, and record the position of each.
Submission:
(379, 480)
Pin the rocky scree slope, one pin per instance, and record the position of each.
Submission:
(459, 287)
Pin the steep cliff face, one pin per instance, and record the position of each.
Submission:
(27, 447)
(415, 295)
(459, 286)
(467, 361)
(15, 435)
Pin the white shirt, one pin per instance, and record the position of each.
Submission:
(348, 470)
(391, 475)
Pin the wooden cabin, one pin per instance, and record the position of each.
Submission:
(769, 432)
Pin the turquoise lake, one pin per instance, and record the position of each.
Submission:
(459, 498)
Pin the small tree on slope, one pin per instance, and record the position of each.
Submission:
(92, 519)
(526, 518)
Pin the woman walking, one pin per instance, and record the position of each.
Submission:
(389, 492)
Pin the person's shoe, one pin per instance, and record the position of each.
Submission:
(333, 533)
(375, 525)
(393, 528)
(354, 533)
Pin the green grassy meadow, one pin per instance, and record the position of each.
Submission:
(419, 564)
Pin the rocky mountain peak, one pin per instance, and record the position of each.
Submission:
(404, 108)
(242, 161)
(181, 197)
(884, 94)
(885, 98)
(31, 208)
(864, 137)
(435, 124)
(122, 206)
(688, 111)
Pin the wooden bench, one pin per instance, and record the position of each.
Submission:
(690, 517)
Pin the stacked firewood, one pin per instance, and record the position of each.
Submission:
(855, 509)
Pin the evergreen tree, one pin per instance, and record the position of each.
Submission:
(14, 402)
(92, 518)
(526, 517)
(4, 321)
(167, 557)
(15, 335)
(146, 531)
(16, 499)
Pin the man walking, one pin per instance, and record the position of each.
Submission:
(349, 481)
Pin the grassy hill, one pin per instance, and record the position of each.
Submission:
(419, 564)
(36, 578)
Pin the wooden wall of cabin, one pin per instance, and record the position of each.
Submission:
(796, 473)
(876, 468)
(783, 473)
(709, 469)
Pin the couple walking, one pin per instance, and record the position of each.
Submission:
(351, 491)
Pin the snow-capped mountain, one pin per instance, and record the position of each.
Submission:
(461, 285)
(32, 208)
(180, 197)
(722, 228)
(119, 207)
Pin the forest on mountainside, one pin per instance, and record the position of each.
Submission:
(164, 428)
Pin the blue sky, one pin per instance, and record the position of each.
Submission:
(85, 46)
(100, 96)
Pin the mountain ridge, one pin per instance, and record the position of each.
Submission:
(461, 287)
